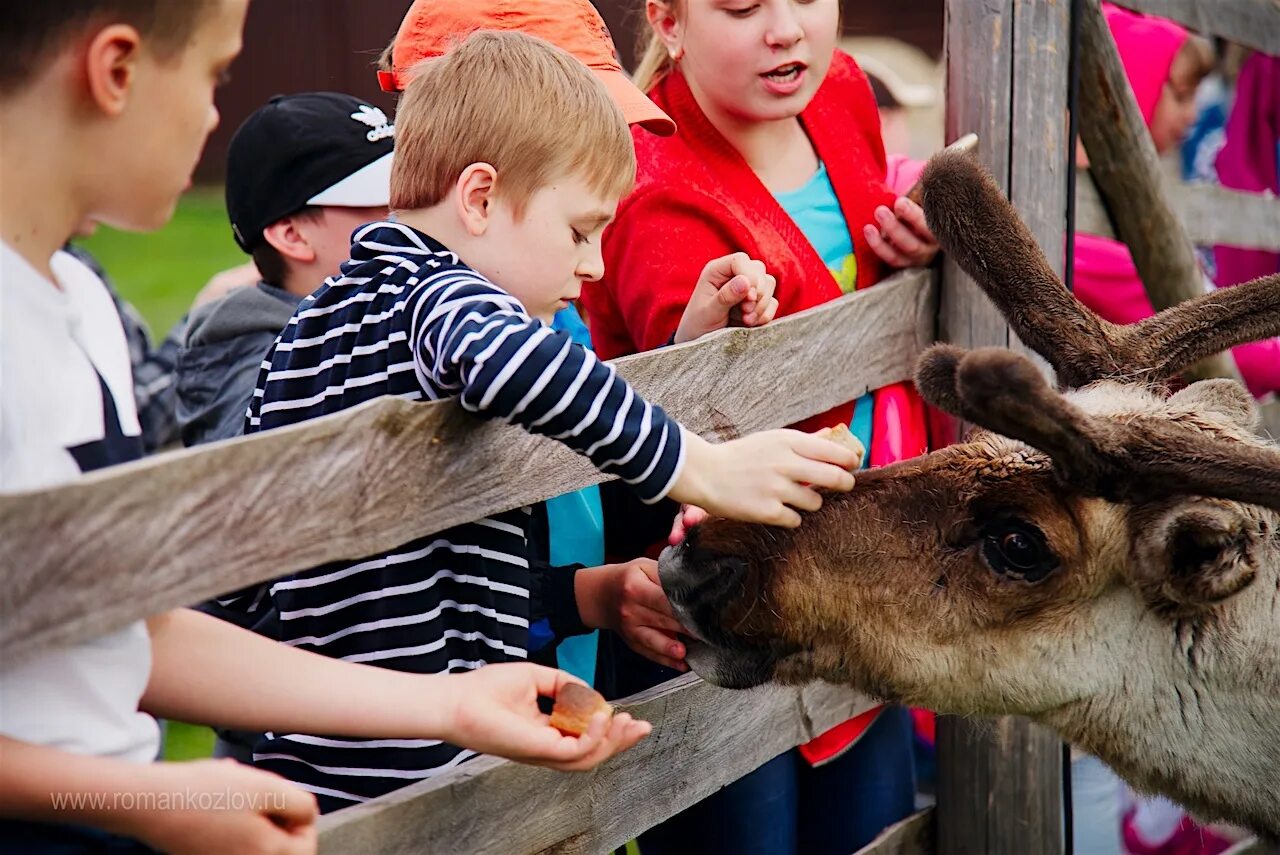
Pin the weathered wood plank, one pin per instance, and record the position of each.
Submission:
(1212, 215)
(913, 836)
(1030, 818)
(978, 58)
(1006, 81)
(703, 738)
(1255, 23)
(1124, 165)
(994, 799)
(90, 556)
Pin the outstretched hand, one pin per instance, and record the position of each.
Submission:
(766, 477)
(495, 711)
(628, 599)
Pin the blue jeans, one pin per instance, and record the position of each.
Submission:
(39, 838)
(787, 807)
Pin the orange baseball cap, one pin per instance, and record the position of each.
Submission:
(431, 27)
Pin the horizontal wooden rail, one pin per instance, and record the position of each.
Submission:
(703, 738)
(1212, 215)
(1255, 23)
(915, 835)
(90, 556)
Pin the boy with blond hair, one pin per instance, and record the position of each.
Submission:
(105, 105)
(510, 161)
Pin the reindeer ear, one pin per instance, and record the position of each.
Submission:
(936, 377)
(1192, 553)
(1222, 398)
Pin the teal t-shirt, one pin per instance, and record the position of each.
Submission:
(816, 210)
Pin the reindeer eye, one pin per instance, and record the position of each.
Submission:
(1018, 549)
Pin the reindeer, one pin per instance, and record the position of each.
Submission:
(1104, 558)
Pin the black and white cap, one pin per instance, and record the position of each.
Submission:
(314, 148)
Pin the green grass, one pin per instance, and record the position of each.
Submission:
(184, 741)
(160, 273)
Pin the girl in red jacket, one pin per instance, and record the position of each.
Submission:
(778, 155)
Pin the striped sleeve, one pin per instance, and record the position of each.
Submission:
(476, 341)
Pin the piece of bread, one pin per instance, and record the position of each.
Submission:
(840, 433)
(575, 704)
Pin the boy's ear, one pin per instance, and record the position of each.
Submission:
(473, 196)
(290, 241)
(110, 65)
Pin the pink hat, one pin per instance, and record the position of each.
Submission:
(1147, 48)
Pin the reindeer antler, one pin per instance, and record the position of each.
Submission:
(1142, 457)
(980, 229)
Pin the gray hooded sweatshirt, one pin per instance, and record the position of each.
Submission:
(218, 365)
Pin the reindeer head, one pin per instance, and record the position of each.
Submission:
(1070, 535)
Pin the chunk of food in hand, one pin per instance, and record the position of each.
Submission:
(841, 434)
(575, 704)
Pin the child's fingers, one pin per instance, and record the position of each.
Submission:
(603, 739)
(631, 732)
(624, 732)
(547, 681)
(801, 497)
(913, 215)
(824, 450)
(888, 254)
(898, 233)
(661, 621)
(292, 807)
(763, 314)
(721, 270)
(676, 537)
(689, 516)
(821, 476)
(693, 515)
(781, 516)
(734, 291)
(658, 646)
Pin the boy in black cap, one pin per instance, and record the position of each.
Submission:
(303, 172)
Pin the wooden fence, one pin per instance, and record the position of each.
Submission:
(88, 557)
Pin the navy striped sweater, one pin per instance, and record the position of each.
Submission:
(406, 317)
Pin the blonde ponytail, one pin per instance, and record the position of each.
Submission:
(654, 65)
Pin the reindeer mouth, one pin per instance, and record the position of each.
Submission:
(695, 594)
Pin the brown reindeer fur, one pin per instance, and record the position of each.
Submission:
(1104, 559)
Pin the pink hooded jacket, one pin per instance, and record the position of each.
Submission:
(1106, 279)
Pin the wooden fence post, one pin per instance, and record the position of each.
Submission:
(999, 782)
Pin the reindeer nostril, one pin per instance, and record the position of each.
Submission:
(692, 574)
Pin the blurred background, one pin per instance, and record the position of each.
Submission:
(304, 45)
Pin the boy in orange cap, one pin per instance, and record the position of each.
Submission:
(580, 525)
(498, 215)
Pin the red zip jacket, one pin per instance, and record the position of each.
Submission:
(697, 199)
